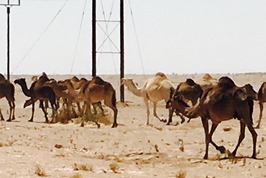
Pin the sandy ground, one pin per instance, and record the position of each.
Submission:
(133, 149)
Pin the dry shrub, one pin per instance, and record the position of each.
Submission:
(82, 167)
(39, 171)
(114, 167)
(77, 175)
(181, 174)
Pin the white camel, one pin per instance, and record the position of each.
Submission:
(154, 89)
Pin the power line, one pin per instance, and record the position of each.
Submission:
(40, 36)
(136, 35)
(80, 27)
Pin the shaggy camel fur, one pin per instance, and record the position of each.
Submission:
(220, 103)
(189, 91)
(95, 91)
(41, 93)
(261, 99)
(154, 89)
(7, 90)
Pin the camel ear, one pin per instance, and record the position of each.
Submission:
(240, 94)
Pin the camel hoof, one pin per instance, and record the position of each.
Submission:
(82, 124)
(221, 149)
(163, 120)
(205, 157)
(9, 120)
(31, 120)
(114, 125)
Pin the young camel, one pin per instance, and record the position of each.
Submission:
(220, 103)
(41, 93)
(95, 91)
(188, 91)
(154, 89)
(7, 90)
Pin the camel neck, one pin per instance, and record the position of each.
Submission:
(25, 89)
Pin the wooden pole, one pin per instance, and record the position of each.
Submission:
(121, 49)
(93, 38)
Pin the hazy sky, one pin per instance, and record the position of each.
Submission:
(173, 36)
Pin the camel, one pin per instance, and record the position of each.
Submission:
(261, 99)
(207, 81)
(7, 90)
(220, 103)
(189, 91)
(41, 93)
(154, 89)
(95, 91)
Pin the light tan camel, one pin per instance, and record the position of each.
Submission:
(95, 91)
(262, 100)
(7, 90)
(220, 103)
(206, 81)
(154, 89)
(41, 93)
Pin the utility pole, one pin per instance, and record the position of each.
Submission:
(94, 38)
(8, 5)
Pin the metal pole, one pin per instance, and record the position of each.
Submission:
(121, 49)
(8, 42)
(93, 38)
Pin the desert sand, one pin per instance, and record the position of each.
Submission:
(133, 149)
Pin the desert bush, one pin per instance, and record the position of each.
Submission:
(39, 171)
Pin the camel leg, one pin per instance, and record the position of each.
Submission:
(32, 111)
(1, 115)
(219, 148)
(260, 116)
(147, 110)
(241, 136)
(207, 139)
(112, 104)
(10, 111)
(13, 110)
(254, 136)
(155, 112)
(171, 111)
(44, 111)
(181, 116)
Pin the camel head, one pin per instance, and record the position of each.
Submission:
(128, 82)
(20, 81)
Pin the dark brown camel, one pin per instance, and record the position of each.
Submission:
(262, 100)
(220, 103)
(41, 93)
(189, 91)
(7, 90)
(97, 90)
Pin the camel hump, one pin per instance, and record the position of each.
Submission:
(98, 80)
(2, 77)
(226, 83)
(161, 75)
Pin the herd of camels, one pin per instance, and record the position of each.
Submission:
(209, 99)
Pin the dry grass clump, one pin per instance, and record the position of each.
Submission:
(39, 171)
(114, 167)
(82, 167)
(77, 175)
(181, 174)
(95, 114)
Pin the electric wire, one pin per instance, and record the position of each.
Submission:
(136, 35)
(78, 39)
(40, 36)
